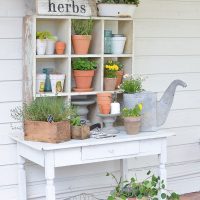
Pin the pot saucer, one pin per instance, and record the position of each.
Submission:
(83, 90)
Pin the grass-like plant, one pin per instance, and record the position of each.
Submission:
(134, 112)
(82, 26)
(84, 64)
(136, 2)
(42, 108)
(131, 85)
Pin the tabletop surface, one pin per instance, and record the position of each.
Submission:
(121, 137)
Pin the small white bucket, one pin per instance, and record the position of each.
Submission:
(50, 50)
(57, 82)
(40, 83)
(118, 44)
(41, 46)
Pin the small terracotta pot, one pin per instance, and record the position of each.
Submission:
(119, 78)
(105, 108)
(132, 125)
(80, 132)
(60, 48)
(104, 99)
(110, 84)
(83, 78)
(81, 43)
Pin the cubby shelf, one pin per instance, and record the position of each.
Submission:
(60, 26)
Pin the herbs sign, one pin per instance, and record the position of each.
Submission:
(67, 7)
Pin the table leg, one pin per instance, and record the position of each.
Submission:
(22, 195)
(124, 169)
(50, 175)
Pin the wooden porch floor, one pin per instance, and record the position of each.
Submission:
(192, 196)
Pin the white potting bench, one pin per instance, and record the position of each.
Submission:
(75, 152)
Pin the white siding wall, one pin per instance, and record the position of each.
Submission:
(167, 48)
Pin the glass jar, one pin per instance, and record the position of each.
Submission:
(107, 41)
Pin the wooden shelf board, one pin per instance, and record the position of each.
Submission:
(92, 93)
(49, 94)
(51, 56)
(86, 56)
(117, 55)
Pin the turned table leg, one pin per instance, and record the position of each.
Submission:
(124, 169)
(22, 195)
(50, 175)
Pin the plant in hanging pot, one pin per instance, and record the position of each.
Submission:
(151, 188)
(132, 119)
(117, 8)
(45, 119)
(83, 71)
(110, 75)
(80, 130)
(82, 35)
(132, 89)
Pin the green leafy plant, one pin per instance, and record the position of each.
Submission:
(76, 121)
(151, 188)
(41, 108)
(45, 35)
(82, 26)
(131, 85)
(83, 64)
(136, 2)
(111, 68)
(134, 112)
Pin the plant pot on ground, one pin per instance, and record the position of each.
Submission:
(82, 35)
(104, 102)
(45, 120)
(83, 71)
(116, 8)
(151, 188)
(110, 75)
(80, 130)
(132, 119)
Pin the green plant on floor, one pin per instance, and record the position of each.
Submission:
(82, 26)
(134, 112)
(152, 188)
(83, 64)
(131, 84)
(45, 35)
(41, 108)
(136, 2)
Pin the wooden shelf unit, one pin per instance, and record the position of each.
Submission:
(60, 26)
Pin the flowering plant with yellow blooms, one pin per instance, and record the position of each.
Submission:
(111, 68)
(134, 112)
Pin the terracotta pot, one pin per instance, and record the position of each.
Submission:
(60, 48)
(47, 132)
(80, 132)
(119, 78)
(105, 108)
(83, 78)
(104, 99)
(132, 125)
(110, 84)
(81, 43)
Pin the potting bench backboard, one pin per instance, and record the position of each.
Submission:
(61, 26)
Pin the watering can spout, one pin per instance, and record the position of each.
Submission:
(165, 103)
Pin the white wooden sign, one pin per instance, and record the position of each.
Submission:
(66, 7)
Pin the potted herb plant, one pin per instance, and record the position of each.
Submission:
(132, 119)
(110, 75)
(151, 188)
(80, 130)
(117, 8)
(82, 35)
(132, 89)
(83, 71)
(45, 120)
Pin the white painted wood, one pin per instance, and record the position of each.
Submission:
(124, 169)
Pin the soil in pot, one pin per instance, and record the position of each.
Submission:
(132, 125)
(110, 84)
(81, 43)
(83, 79)
(80, 132)
(119, 78)
(55, 132)
(60, 48)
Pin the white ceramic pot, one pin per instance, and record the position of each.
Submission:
(40, 82)
(116, 10)
(57, 82)
(50, 49)
(118, 44)
(41, 46)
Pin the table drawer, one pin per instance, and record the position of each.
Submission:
(110, 150)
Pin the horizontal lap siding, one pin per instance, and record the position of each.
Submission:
(167, 47)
